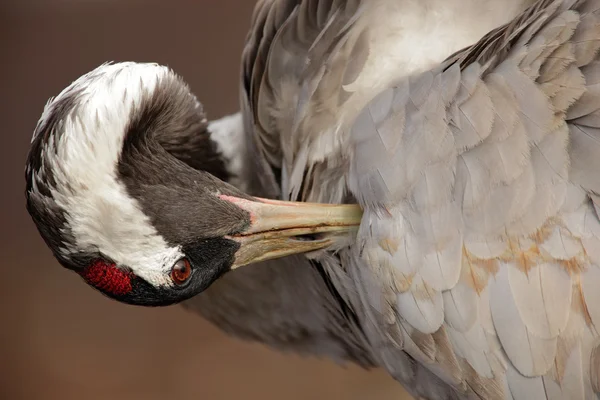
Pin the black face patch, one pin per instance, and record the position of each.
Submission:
(210, 259)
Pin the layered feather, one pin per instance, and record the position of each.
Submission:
(476, 267)
(512, 171)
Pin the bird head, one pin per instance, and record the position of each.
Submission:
(127, 188)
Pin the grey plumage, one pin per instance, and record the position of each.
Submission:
(478, 252)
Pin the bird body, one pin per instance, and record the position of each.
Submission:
(467, 133)
(321, 62)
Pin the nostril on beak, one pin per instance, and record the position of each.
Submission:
(310, 237)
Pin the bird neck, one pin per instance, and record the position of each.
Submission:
(304, 318)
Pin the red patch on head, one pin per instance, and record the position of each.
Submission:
(108, 277)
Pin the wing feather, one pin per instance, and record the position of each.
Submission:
(532, 355)
(539, 295)
(490, 184)
(422, 306)
(477, 263)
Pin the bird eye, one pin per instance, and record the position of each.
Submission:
(181, 271)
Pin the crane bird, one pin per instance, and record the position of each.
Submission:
(412, 185)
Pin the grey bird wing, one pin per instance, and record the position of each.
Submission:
(479, 247)
(292, 47)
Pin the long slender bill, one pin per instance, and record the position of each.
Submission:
(282, 228)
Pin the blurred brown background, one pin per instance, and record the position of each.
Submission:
(60, 339)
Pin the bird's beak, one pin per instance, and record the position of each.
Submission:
(282, 228)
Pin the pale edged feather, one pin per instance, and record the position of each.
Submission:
(532, 103)
(584, 147)
(500, 159)
(485, 316)
(556, 32)
(590, 294)
(473, 347)
(588, 103)
(506, 204)
(565, 88)
(557, 62)
(460, 306)
(484, 248)
(542, 295)
(524, 387)
(570, 384)
(531, 355)
(586, 40)
(591, 237)
(422, 306)
(445, 357)
(550, 161)
(484, 387)
(472, 112)
(442, 250)
(561, 245)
